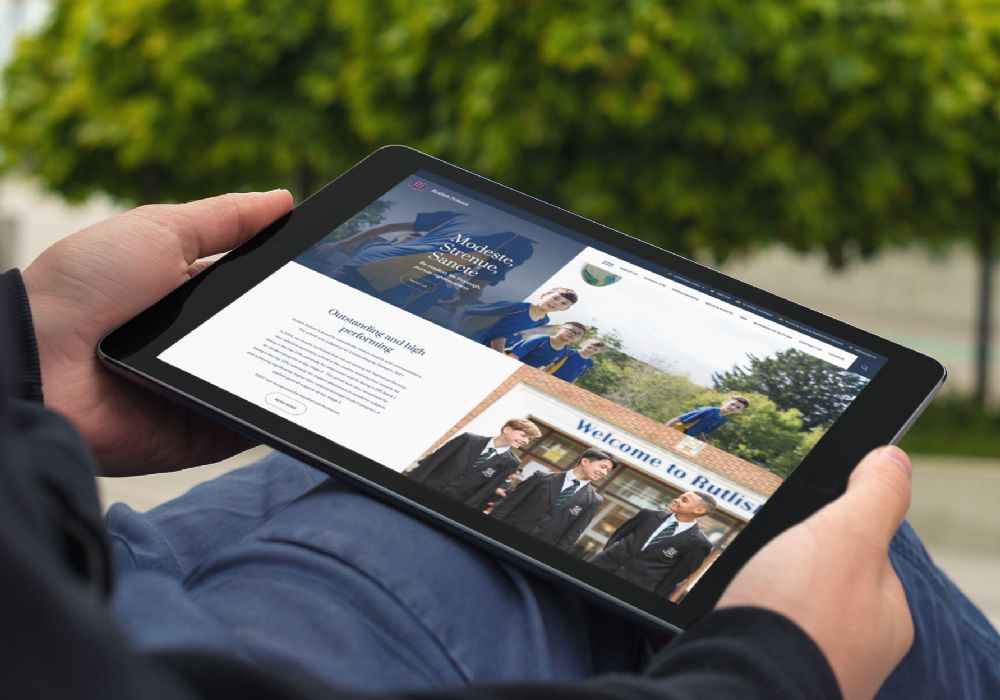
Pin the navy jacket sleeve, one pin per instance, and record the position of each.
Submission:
(57, 639)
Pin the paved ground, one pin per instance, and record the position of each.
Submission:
(953, 510)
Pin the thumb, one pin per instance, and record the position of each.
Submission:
(218, 224)
(878, 491)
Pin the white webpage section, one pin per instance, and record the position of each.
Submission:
(347, 366)
(743, 320)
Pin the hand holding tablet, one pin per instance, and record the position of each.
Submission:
(831, 575)
(398, 327)
(88, 284)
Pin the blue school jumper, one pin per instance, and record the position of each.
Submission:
(538, 351)
(484, 323)
(571, 367)
(702, 421)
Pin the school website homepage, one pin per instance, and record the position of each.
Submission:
(636, 420)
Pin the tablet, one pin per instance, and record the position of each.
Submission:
(609, 413)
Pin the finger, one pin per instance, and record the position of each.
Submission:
(878, 492)
(219, 224)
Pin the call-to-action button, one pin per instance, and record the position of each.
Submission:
(417, 283)
(285, 403)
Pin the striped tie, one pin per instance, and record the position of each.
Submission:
(565, 494)
(663, 534)
(485, 457)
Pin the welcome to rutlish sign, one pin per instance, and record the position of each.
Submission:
(731, 497)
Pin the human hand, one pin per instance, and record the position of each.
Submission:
(91, 282)
(831, 575)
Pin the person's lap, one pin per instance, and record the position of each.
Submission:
(283, 566)
(280, 565)
(956, 651)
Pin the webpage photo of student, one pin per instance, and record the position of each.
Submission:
(703, 421)
(500, 324)
(657, 549)
(543, 350)
(578, 362)
(471, 467)
(557, 507)
(430, 249)
(409, 275)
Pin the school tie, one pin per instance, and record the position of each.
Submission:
(567, 492)
(663, 534)
(485, 457)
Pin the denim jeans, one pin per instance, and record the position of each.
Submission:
(286, 568)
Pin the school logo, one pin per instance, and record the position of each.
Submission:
(489, 471)
(418, 184)
(670, 552)
(576, 510)
(597, 276)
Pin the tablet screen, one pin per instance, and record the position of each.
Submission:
(630, 416)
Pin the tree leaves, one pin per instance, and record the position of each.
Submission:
(713, 126)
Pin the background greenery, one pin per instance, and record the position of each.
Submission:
(706, 126)
(956, 425)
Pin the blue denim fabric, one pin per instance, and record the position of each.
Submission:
(288, 569)
(956, 651)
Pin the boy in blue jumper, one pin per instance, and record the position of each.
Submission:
(577, 362)
(703, 421)
(500, 324)
(543, 350)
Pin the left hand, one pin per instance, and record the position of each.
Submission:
(95, 280)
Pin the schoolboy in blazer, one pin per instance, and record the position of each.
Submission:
(658, 549)
(557, 507)
(470, 467)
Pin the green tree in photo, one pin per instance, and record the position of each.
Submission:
(645, 389)
(793, 379)
(652, 392)
(608, 366)
(763, 434)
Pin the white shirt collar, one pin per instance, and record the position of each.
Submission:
(498, 450)
(570, 476)
(681, 527)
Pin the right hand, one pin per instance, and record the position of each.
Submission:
(831, 576)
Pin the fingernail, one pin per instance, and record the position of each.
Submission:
(897, 456)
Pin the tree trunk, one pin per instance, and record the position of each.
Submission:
(306, 181)
(150, 184)
(984, 248)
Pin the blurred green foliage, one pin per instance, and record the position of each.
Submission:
(958, 426)
(704, 126)
(708, 125)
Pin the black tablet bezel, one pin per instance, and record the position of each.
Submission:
(880, 414)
